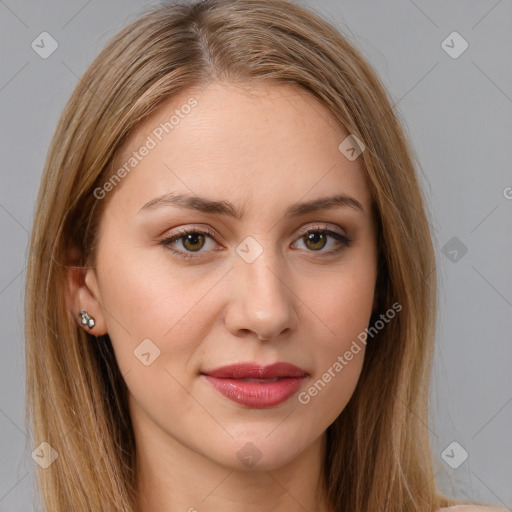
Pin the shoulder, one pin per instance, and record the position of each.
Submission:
(473, 508)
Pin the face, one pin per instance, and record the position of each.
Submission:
(216, 251)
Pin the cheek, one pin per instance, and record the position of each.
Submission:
(339, 354)
(342, 304)
(144, 298)
(342, 301)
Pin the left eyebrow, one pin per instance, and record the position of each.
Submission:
(324, 203)
(206, 205)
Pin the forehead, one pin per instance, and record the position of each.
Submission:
(260, 141)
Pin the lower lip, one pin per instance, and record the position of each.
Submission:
(257, 394)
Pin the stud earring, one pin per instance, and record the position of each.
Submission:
(87, 319)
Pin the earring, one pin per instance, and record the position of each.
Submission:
(87, 319)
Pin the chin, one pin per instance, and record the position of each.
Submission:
(262, 452)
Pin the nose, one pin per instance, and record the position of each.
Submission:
(262, 302)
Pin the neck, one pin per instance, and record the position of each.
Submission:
(175, 478)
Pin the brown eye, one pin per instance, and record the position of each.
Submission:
(323, 241)
(193, 241)
(315, 240)
(190, 241)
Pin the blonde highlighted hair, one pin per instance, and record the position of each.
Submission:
(378, 455)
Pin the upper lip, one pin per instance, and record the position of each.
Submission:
(256, 371)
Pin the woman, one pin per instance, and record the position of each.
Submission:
(230, 296)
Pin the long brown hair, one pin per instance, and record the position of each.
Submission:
(378, 455)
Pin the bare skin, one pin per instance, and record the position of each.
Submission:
(302, 302)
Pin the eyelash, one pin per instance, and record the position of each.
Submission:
(345, 241)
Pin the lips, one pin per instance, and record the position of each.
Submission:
(255, 386)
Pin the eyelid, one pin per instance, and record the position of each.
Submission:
(180, 232)
(206, 229)
(199, 229)
(319, 227)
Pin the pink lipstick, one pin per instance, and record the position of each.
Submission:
(255, 386)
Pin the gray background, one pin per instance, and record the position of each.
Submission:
(458, 114)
